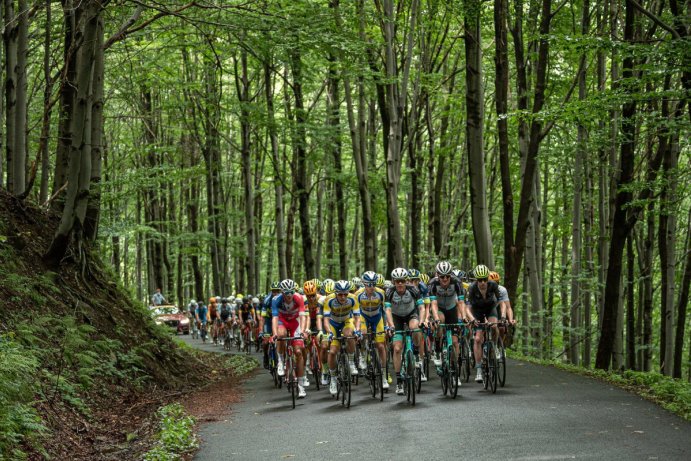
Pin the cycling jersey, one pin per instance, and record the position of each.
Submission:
(503, 294)
(339, 312)
(245, 311)
(226, 312)
(448, 297)
(403, 305)
(483, 307)
(314, 307)
(289, 309)
(371, 307)
(201, 313)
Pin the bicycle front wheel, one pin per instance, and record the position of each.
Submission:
(410, 376)
(501, 363)
(453, 372)
(378, 376)
(492, 368)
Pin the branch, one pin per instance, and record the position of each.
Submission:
(123, 31)
(655, 19)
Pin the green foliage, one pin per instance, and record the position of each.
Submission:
(242, 364)
(19, 422)
(672, 394)
(175, 436)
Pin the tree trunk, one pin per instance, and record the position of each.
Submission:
(474, 134)
(300, 176)
(10, 42)
(243, 90)
(43, 148)
(74, 212)
(682, 303)
(278, 185)
(630, 316)
(621, 226)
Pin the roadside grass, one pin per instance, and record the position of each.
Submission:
(175, 436)
(671, 394)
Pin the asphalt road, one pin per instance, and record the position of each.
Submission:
(542, 414)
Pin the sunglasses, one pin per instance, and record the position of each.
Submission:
(444, 276)
(369, 284)
(482, 280)
(288, 293)
(399, 281)
(342, 293)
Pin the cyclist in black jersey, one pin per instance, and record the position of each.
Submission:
(481, 303)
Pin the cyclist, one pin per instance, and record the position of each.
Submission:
(414, 279)
(341, 318)
(226, 314)
(201, 316)
(215, 318)
(401, 306)
(327, 288)
(481, 306)
(286, 309)
(448, 296)
(265, 323)
(505, 311)
(246, 317)
(191, 311)
(313, 319)
(371, 301)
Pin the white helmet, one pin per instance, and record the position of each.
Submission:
(399, 273)
(255, 300)
(444, 268)
(288, 286)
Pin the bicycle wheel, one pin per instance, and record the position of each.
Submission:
(501, 363)
(356, 359)
(492, 368)
(453, 373)
(292, 380)
(410, 376)
(428, 354)
(444, 376)
(378, 376)
(314, 364)
(465, 359)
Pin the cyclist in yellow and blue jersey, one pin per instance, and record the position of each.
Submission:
(313, 319)
(371, 301)
(414, 279)
(341, 318)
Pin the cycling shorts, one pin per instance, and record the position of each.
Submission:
(399, 323)
(450, 316)
(483, 314)
(337, 328)
(292, 328)
(375, 324)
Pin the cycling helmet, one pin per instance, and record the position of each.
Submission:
(444, 268)
(357, 282)
(456, 273)
(388, 284)
(275, 286)
(399, 273)
(288, 286)
(310, 288)
(425, 278)
(380, 281)
(245, 300)
(494, 276)
(255, 300)
(224, 300)
(342, 286)
(192, 301)
(212, 300)
(369, 277)
(238, 300)
(329, 286)
(481, 271)
(414, 274)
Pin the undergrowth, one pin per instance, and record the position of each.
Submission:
(672, 394)
(175, 436)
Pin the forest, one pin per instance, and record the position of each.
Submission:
(212, 147)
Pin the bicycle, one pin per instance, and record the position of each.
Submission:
(449, 372)
(409, 371)
(289, 377)
(466, 359)
(343, 376)
(227, 340)
(501, 359)
(314, 362)
(194, 327)
(203, 332)
(489, 357)
(373, 371)
(273, 360)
